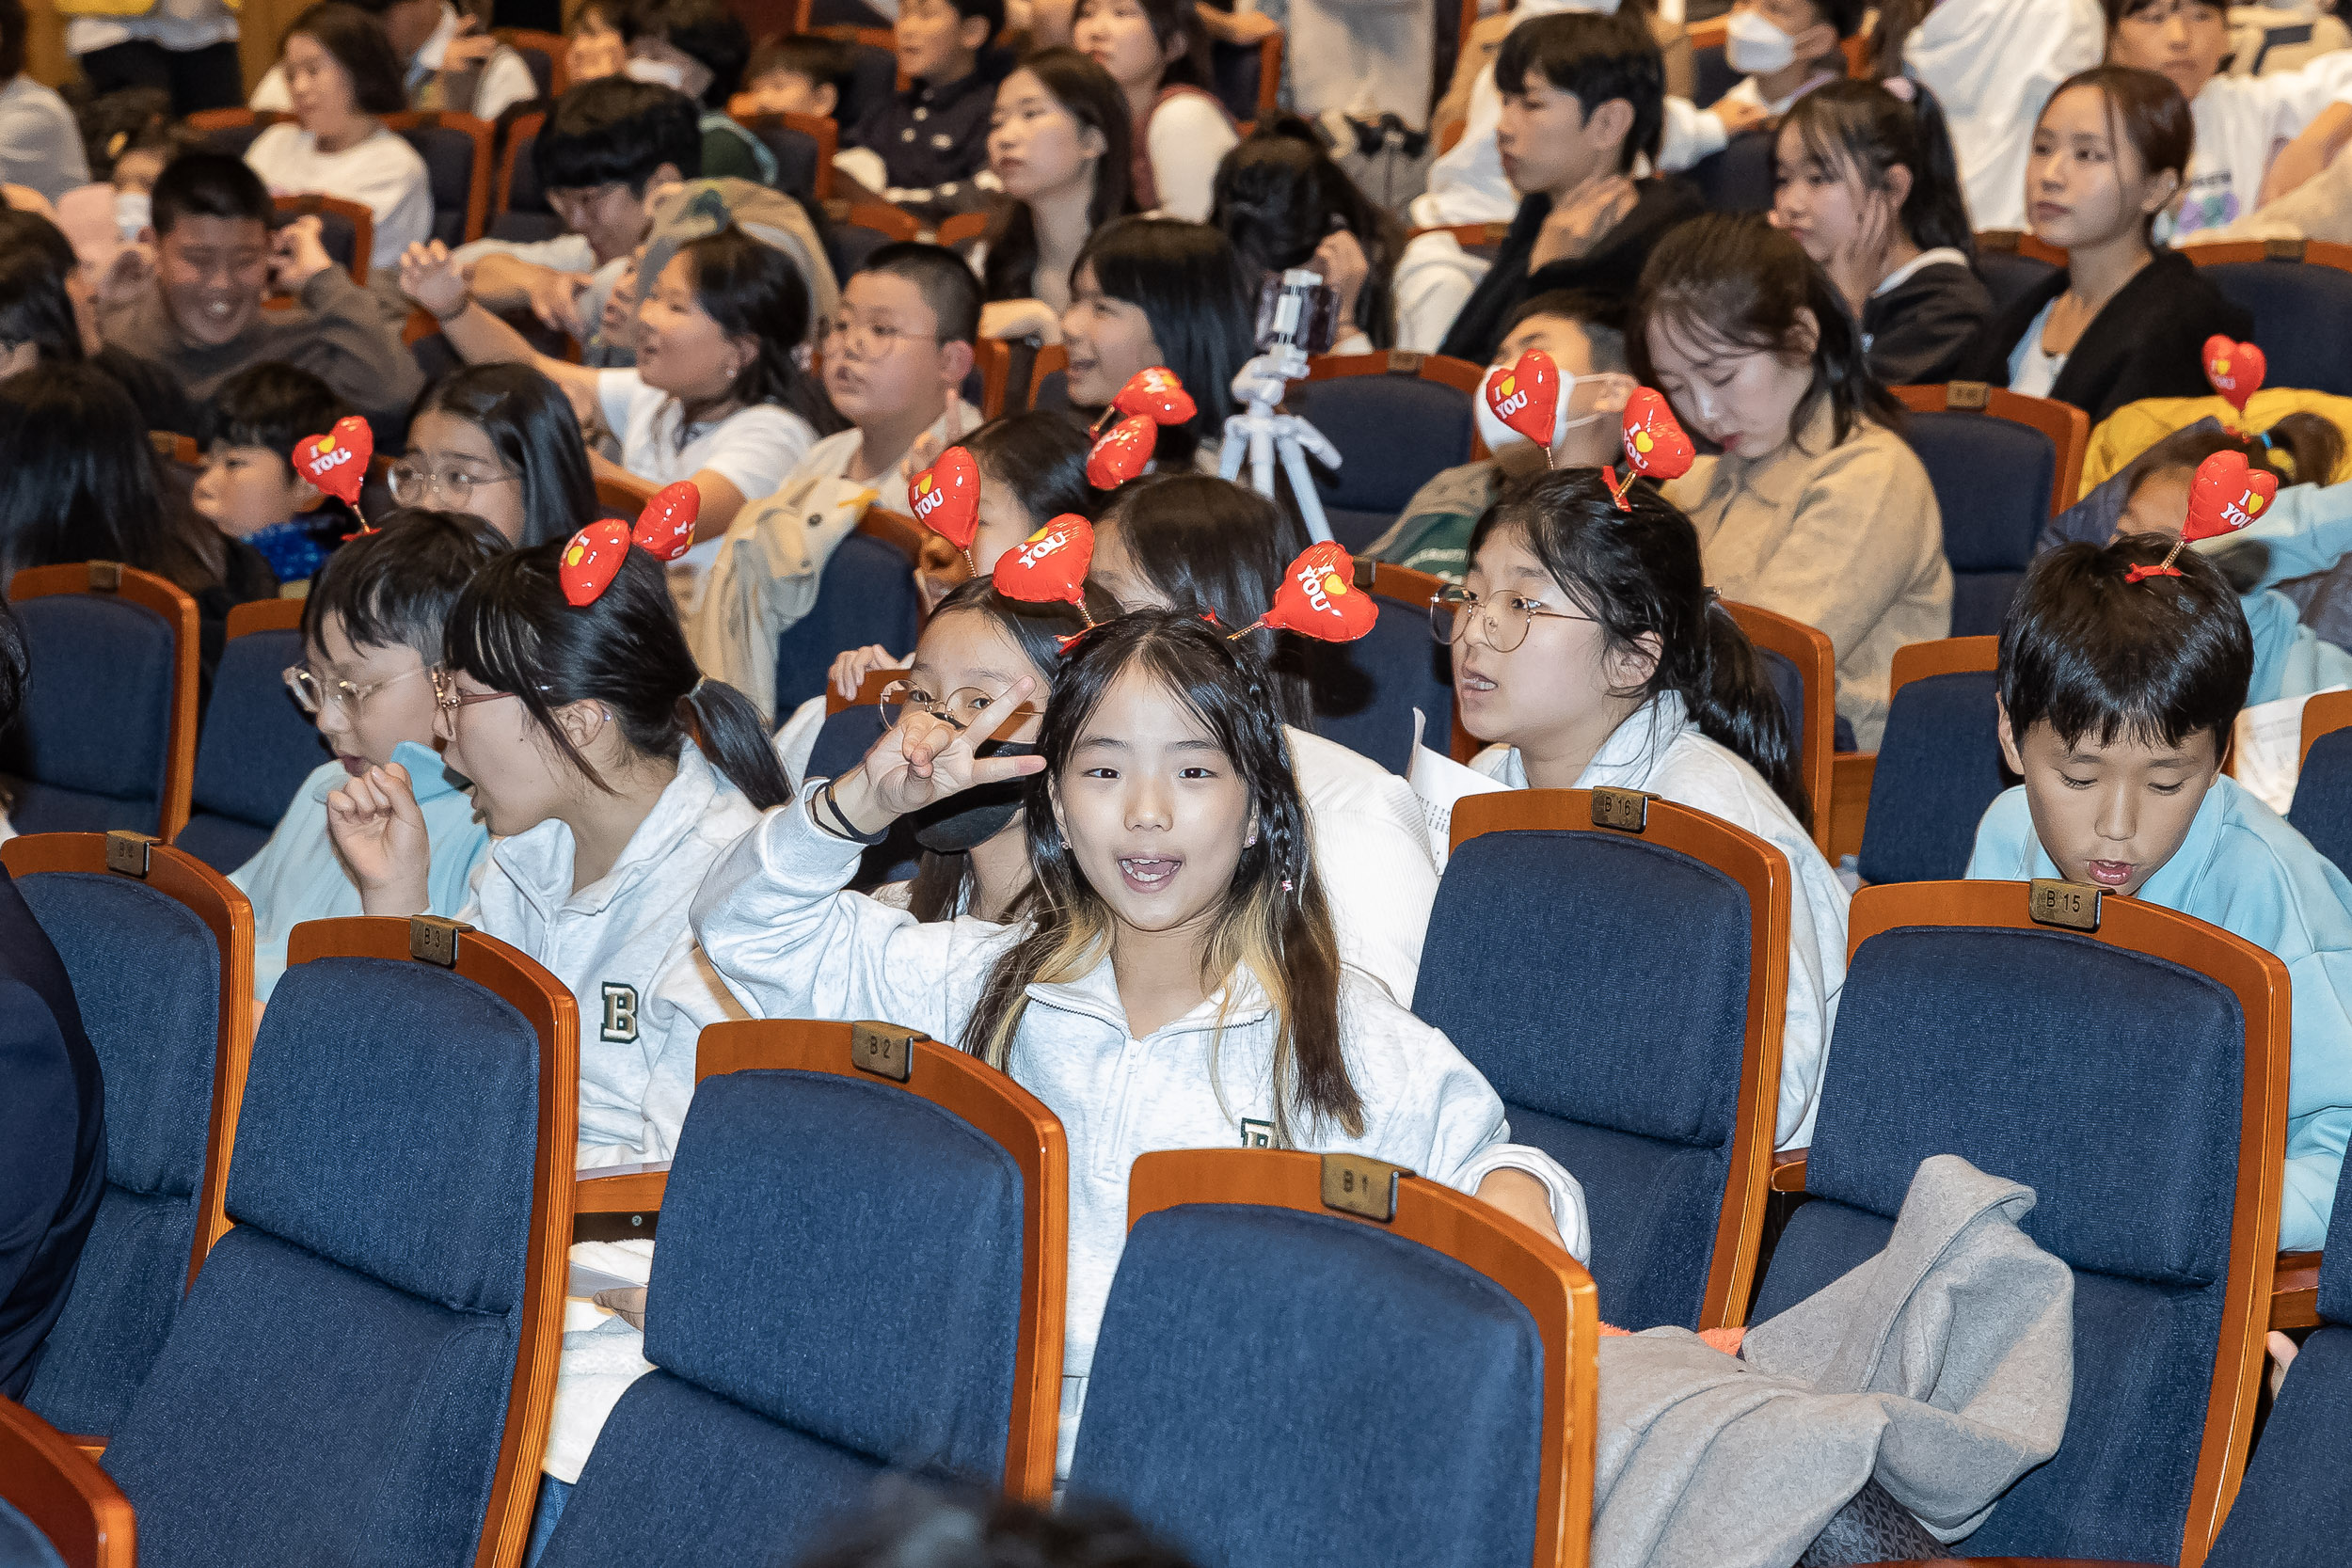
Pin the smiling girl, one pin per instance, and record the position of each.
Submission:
(1158, 54)
(1057, 144)
(1155, 291)
(1816, 508)
(1176, 983)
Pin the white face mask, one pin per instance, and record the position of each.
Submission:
(1498, 435)
(662, 74)
(133, 211)
(1754, 45)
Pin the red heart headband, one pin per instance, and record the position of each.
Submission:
(1152, 398)
(665, 531)
(1050, 567)
(337, 463)
(945, 498)
(1526, 397)
(1656, 448)
(1317, 598)
(2226, 494)
(2236, 369)
(1153, 393)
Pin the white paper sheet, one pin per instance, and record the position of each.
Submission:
(2266, 751)
(1437, 782)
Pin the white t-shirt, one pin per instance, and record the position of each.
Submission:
(382, 173)
(2030, 371)
(2241, 122)
(752, 449)
(505, 80)
(1186, 138)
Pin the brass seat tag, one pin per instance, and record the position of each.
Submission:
(433, 939)
(884, 1050)
(126, 852)
(1624, 810)
(1355, 1184)
(2050, 902)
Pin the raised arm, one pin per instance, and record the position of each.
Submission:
(432, 277)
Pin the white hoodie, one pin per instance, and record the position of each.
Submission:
(1994, 64)
(622, 944)
(790, 944)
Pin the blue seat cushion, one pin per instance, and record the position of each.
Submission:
(1939, 768)
(89, 742)
(1992, 478)
(1394, 433)
(449, 156)
(866, 595)
(21, 1546)
(256, 746)
(2322, 811)
(2293, 1509)
(1219, 1382)
(1365, 691)
(1653, 1206)
(125, 1298)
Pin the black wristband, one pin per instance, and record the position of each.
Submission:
(841, 826)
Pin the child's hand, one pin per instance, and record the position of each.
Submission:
(431, 276)
(555, 299)
(298, 255)
(470, 49)
(380, 835)
(1341, 260)
(850, 668)
(926, 758)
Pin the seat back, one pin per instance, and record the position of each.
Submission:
(1247, 77)
(1939, 762)
(346, 230)
(106, 734)
(363, 1368)
(866, 595)
(2322, 808)
(1711, 75)
(1397, 419)
(160, 952)
(2155, 1152)
(804, 145)
(2300, 296)
(1365, 691)
(1452, 1346)
(58, 1508)
(906, 1312)
(524, 215)
(257, 745)
(1802, 666)
(542, 55)
(456, 152)
(2014, 265)
(873, 77)
(852, 232)
(1651, 1067)
(232, 131)
(2002, 466)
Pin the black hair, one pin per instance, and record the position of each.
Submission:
(826, 62)
(16, 665)
(1603, 321)
(942, 279)
(990, 11)
(1171, 20)
(513, 630)
(1041, 455)
(356, 39)
(13, 30)
(394, 585)
(78, 481)
(1186, 279)
(2091, 653)
(2118, 9)
(755, 292)
(1861, 130)
(1734, 285)
(1275, 921)
(271, 406)
(206, 184)
(1595, 58)
(115, 124)
(2145, 110)
(910, 1523)
(1845, 16)
(2304, 448)
(531, 424)
(1211, 545)
(616, 131)
(34, 305)
(704, 31)
(1635, 571)
(1088, 95)
(1278, 196)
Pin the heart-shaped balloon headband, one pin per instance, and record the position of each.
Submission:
(337, 463)
(2226, 494)
(945, 498)
(1526, 397)
(1050, 567)
(2236, 369)
(1656, 448)
(1318, 598)
(1152, 398)
(665, 531)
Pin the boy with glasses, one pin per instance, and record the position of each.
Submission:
(895, 349)
(371, 636)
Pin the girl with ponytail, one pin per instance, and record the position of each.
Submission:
(1864, 179)
(1173, 980)
(1589, 650)
(610, 775)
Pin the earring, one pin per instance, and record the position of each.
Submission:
(1249, 843)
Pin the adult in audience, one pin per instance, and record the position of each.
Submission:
(1057, 144)
(699, 48)
(343, 76)
(1283, 203)
(1159, 54)
(185, 50)
(2126, 318)
(500, 442)
(1152, 291)
(39, 145)
(446, 60)
(1817, 508)
(1865, 181)
(53, 1107)
(195, 307)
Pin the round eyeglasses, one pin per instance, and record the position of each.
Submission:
(314, 696)
(961, 707)
(1503, 618)
(449, 699)
(413, 485)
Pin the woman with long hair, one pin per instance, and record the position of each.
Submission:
(1058, 143)
(1283, 203)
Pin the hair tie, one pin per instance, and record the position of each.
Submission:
(1902, 87)
(665, 531)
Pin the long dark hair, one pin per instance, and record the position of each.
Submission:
(1278, 194)
(1211, 545)
(361, 47)
(531, 427)
(1636, 573)
(1087, 93)
(78, 481)
(1274, 921)
(1040, 456)
(513, 630)
(1171, 20)
(755, 291)
(1735, 284)
(1861, 130)
(2145, 110)
(1186, 279)
(34, 305)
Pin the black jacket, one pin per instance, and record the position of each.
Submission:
(2148, 342)
(1609, 271)
(1921, 330)
(53, 1139)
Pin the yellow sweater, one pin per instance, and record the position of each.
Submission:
(2132, 429)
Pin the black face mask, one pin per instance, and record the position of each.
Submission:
(963, 821)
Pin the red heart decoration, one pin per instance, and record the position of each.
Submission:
(1158, 396)
(946, 498)
(591, 559)
(1049, 565)
(2236, 369)
(2226, 496)
(666, 530)
(337, 462)
(1318, 598)
(1655, 446)
(1526, 396)
(1123, 453)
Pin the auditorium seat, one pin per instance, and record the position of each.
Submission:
(1802, 666)
(58, 1508)
(2322, 808)
(1365, 691)
(2002, 465)
(1938, 765)
(257, 745)
(1397, 419)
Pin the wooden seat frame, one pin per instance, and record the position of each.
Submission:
(2067, 427)
(1816, 659)
(63, 1493)
(818, 127)
(1763, 873)
(1553, 1287)
(1851, 773)
(555, 46)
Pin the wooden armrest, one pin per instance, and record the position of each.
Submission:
(1849, 775)
(638, 1192)
(2294, 1290)
(1788, 1173)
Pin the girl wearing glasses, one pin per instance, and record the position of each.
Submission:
(500, 441)
(1589, 650)
(611, 775)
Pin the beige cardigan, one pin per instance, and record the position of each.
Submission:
(1844, 538)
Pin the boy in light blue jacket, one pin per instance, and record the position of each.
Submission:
(370, 634)
(2116, 699)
